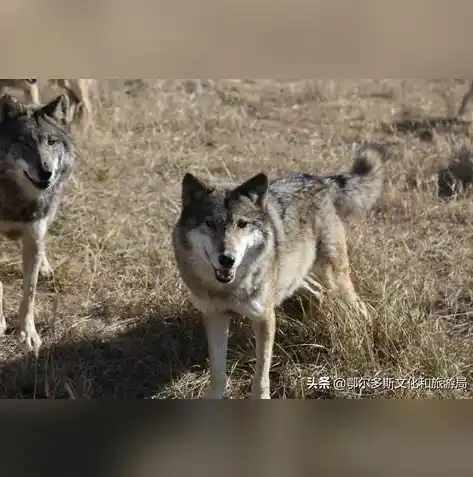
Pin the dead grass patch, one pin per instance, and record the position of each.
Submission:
(116, 322)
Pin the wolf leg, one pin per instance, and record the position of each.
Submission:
(3, 322)
(347, 290)
(339, 281)
(264, 331)
(32, 243)
(81, 88)
(33, 93)
(465, 100)
(312, 288)
(216, 327)
(332, 267)
(45, 269)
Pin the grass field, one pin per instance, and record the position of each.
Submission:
(115, 320)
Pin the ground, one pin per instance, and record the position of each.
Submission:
(115, 319)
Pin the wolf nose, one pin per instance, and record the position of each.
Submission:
(45, 175)
(226, 261)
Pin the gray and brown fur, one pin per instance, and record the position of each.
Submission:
(78, 91)
(242, 249)
(36, 157)
(28, 86)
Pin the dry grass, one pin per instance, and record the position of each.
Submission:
(115, 320)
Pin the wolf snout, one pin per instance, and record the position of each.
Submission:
(226, 260)
(45, 174)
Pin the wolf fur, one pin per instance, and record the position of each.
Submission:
(36, 157)
(78, 91)
(28, 86)
(242, 249)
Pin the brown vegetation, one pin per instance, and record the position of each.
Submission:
(115, 320)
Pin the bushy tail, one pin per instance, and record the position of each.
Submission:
(358, 190)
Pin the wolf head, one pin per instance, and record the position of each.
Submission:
(34, 148)
(225, 226)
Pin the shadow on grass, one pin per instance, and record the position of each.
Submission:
(136, 363)
(153, 354)
(424, 127)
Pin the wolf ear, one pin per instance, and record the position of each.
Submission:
(10, 107)
(57, 109)
(193, 189)
(255, 189)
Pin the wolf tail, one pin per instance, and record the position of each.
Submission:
(358, 190)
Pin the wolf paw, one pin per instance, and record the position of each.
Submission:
(216, 390)
(362, 309)
(3, 322)
(313, 288)
(260, 390)
(261, 394)
(31, 339)
(213, 394)
(46, 271)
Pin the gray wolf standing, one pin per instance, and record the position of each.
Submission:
(28, 86)
(78, 91)
(36, 156)
(244, 248)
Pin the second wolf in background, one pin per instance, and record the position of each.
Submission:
(78, 91)
(36, 157)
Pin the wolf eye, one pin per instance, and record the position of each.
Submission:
(241, 224)
(51, 141)
(211, 225)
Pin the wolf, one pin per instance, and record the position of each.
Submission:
(36, 159)
(28, 86)
(243, 248)
(78, 91)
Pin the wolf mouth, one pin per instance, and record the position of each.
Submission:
(39, 184)
(224, 275)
